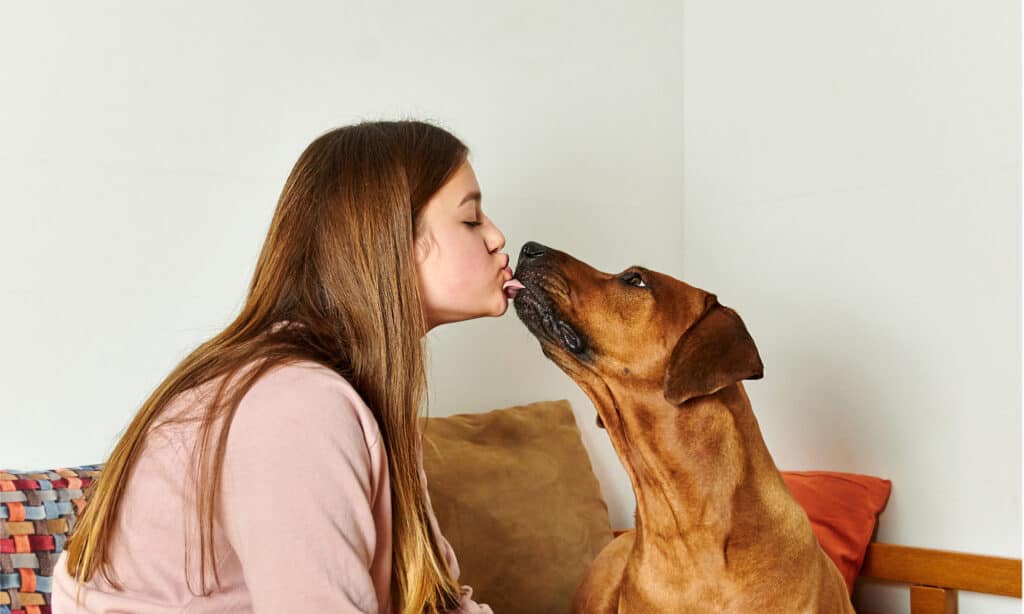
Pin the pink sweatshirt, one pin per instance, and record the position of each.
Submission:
(305, 523)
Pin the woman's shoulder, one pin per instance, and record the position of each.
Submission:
(306, 395)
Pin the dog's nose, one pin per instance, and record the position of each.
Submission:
(532, 249)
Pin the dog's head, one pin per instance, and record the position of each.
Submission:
(638, 329)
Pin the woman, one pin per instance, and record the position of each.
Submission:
(287, 448)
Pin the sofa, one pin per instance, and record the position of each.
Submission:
(513, 491)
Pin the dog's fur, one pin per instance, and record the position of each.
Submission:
(717, 530)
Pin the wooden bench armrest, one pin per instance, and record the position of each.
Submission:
(943, 569)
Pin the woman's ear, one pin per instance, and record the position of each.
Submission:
(421, 248)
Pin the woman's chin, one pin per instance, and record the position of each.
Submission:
(503, 304)
(502, 308)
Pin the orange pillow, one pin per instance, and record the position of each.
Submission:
(843, 509)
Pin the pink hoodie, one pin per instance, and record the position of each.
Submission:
(305, 517)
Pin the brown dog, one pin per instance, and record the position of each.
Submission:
(717, 530)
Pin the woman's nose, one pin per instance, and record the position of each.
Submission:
(498, 238)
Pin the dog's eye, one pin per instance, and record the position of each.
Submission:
(634, 279)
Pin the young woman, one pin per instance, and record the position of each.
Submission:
(286, 449)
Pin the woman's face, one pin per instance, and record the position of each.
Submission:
(458, 259)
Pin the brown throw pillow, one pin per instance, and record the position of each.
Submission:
(515, 495)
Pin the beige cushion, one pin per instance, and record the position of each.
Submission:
(514, 493)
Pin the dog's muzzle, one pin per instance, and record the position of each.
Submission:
(535, 306)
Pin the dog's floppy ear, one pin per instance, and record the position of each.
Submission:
(715, 352)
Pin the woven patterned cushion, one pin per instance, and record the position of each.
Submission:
(38, 510)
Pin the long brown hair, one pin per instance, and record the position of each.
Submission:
(338, 258)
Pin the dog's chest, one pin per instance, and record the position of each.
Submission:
(666, 587)
(701, 593)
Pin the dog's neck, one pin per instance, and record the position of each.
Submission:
(701, 473)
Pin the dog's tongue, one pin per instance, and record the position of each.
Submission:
(512, 287)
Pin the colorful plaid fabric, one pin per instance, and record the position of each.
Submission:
(38, 510)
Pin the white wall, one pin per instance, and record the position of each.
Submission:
(144, 151)
(852, 188)
(850, 183)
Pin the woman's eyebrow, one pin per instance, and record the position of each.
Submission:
(474, 195)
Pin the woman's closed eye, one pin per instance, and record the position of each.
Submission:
(473, 224)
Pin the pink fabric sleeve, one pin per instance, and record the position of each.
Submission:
(299, 483)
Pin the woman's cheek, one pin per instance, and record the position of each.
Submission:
(459, 281)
